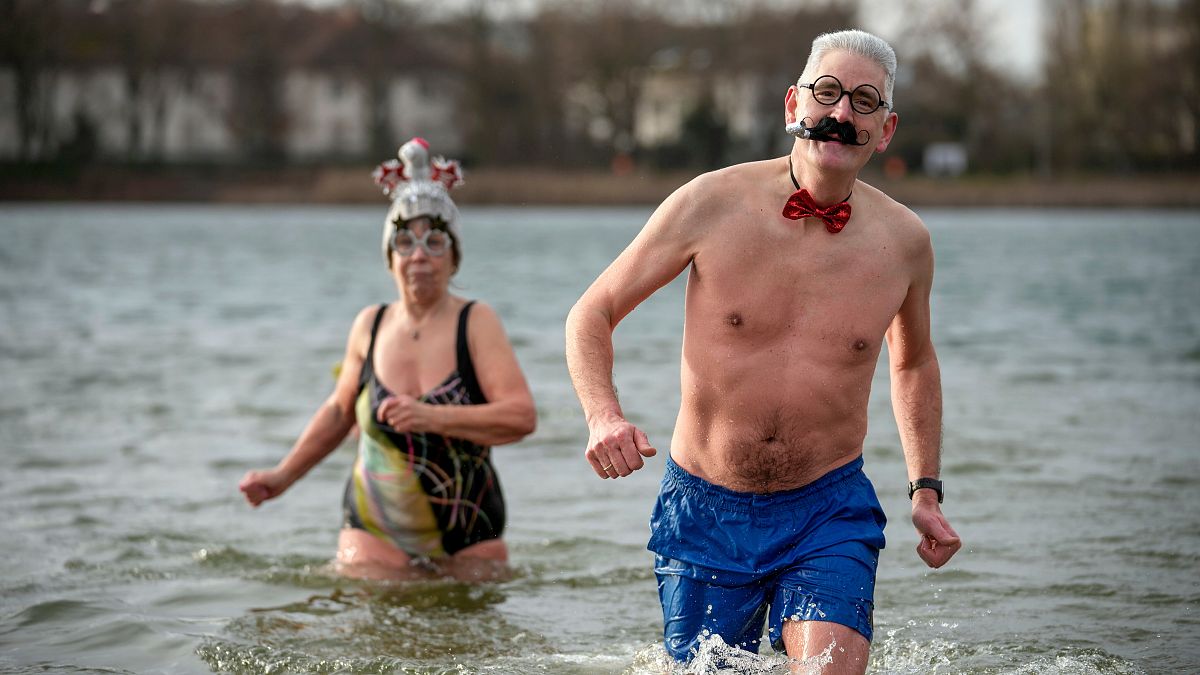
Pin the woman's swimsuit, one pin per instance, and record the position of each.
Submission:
(429, 495)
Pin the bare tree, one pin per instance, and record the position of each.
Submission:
(388, 35)
(258, 118)
(28, 47)
(1122, 84)
(954, 91)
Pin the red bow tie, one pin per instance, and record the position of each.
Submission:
(801, 205)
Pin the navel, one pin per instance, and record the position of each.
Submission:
(734, 319)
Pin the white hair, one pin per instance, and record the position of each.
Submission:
(863, 44)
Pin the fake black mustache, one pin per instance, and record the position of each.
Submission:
(828, 129)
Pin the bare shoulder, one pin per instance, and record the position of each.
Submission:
(483, 313)
(899, 220)
(689, 199)
(364, 320)
(360, 330)
(703, 201)
(484, 323)
(732, 181)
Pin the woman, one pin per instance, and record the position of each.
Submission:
(432, 383)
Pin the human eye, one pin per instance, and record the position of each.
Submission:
(865, 98)
(437, 241)
(826, 93)
(403, 240)
(827, 89)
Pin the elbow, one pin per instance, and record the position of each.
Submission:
(585, 314)
(574, 317)
(341, 416)
(525, 423)
(925, 365)
(912, 360)
(582, 306)
(518, 424)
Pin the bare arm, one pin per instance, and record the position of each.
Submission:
(509, 414)
(917, 404)
(916, 379)
(658, 254)
(325, 430)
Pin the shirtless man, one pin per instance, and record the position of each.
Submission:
(764, 512)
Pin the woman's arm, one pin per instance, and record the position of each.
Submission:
(325, 430)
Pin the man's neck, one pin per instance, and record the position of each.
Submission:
(826, 187)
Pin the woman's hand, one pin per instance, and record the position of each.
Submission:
(405, 414)
(259, 486)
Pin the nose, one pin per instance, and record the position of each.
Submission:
(419, 252)
(842, 110)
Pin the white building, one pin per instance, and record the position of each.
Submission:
(179, 116)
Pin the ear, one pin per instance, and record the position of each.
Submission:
(790, 101)
(889, 130)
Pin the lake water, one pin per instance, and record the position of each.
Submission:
(150, 355)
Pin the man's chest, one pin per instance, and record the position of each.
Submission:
(775, 285)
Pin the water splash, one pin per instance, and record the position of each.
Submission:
(714, 655)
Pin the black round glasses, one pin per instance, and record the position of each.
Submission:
(865, 99)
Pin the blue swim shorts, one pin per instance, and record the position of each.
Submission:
(727, 560)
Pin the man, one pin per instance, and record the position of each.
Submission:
(798, 271)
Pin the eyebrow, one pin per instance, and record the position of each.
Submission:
(871, 84)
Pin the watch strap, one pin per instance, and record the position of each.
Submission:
(922, 483)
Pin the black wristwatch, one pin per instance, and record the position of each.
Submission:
(931, 483)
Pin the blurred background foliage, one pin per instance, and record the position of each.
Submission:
(577, 84)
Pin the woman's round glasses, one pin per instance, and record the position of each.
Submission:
(827, 90)
(435, 242)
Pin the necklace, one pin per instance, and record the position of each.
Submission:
(416, 328)
(792, 175)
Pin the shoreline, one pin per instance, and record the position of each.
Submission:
(550, 187)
